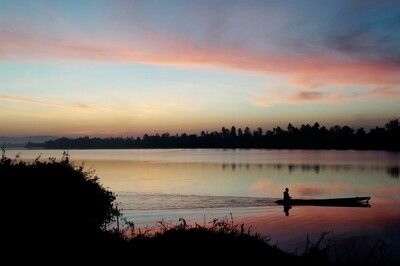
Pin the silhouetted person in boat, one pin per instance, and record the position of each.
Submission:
(286, 196)
(286, 199)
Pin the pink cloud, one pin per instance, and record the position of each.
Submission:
(314, 71)
(291, 96)
(308, 95)
(296, 96)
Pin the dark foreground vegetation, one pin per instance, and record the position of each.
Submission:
(56, 211)
(305, 137)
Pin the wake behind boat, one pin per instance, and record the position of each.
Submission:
(349, 202)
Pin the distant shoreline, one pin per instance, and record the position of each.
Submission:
(180, 148)
(306, 137)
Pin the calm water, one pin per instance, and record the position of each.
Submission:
(199, 185)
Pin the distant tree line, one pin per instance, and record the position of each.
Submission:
(303, 137)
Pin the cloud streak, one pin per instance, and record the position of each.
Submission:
(50, 103)
(143, 110)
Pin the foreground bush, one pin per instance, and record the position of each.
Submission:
(54, 205)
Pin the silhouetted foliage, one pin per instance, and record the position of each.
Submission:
(53, 205)
(221, 240)
(304, 137)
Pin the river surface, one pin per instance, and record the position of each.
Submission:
(199, 185)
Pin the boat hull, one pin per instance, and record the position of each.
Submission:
(351, 202)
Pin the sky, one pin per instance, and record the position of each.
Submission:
(119, 68)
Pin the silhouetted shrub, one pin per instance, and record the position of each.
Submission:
(54, 205)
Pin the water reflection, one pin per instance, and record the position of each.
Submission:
(392, 171)
(287, 207)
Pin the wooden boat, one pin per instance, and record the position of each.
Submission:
(350, 202)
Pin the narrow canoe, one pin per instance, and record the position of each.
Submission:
(356, 201)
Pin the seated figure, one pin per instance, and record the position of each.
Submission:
(286, 196)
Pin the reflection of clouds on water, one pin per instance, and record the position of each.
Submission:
(383, 193)
(297, 190)
(393, 171)
(259, 187)
(310, 191)
(159, 201)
